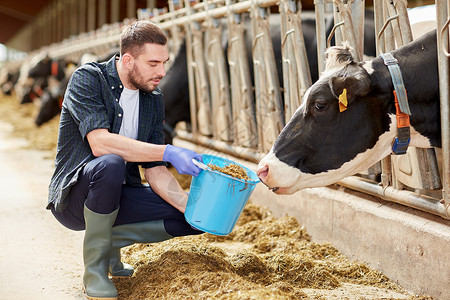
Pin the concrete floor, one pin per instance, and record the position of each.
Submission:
(39, 258)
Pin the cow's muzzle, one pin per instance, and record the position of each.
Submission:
(262, 173)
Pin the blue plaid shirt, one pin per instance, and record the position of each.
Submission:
(91, 102)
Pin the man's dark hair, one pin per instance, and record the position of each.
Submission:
(138, 33)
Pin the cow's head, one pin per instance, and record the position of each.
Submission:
(49, 67)
(41, 68)
(339, 130)
(49, 108)
(32, 89)
(51, 100)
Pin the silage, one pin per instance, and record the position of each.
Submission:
(22, 116)
(233, 170)
(277, 262)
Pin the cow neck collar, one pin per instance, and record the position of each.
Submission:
(402, 111)
(54, 68)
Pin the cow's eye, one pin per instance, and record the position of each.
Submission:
(320, 105)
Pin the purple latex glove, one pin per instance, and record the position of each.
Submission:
(181, 159)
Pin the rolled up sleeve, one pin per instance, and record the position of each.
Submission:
(157, 134)
(86, 102)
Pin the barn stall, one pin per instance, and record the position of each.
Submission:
(399, 206)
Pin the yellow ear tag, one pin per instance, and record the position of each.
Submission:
(343, 101)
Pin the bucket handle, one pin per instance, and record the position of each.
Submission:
(200, 164)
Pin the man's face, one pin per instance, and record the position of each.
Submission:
(149, 67)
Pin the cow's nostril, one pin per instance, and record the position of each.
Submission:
(262, 172)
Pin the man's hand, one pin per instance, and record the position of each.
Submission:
(181, 159)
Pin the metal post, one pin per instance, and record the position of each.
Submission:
(91, 13)
(348, 31)
(174, 31)
(101, 12)
(296, 74)
(321, 36)
(72, 7)
(54, 29)
(378, 18)
(243, 105)
(358, 8)
(218, 79)
(403, 20)
(392, 11)
(269, 108)
(338, 33)
(115, 11)
(442, 10)
(59, 20)
(151, 4)
(388, 32)
(48, 25)
(189, 57)
(37, 27)
(66, 18)
(131, 9)
(81, 16)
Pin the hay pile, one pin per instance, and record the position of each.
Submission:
(22, 116)
(263, 258)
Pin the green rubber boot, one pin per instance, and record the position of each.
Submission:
(96, 254)
(128, 234)
(118, 269)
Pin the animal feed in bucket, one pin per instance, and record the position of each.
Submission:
(233, 170)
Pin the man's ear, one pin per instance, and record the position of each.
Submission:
(127, 60)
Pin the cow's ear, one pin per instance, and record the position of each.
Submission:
(354, 86)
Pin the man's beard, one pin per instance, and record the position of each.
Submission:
(138, 81)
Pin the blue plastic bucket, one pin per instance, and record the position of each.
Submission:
(216, 200)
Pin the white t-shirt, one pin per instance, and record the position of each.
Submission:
(129, 101)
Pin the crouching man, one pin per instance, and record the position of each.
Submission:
(111, 122)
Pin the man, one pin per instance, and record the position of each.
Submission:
(111, 121)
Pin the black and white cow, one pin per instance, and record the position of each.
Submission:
(38, 74)
(49, 67)
(8, 79)
(51, 101)
(321, 145)
(33, 90)
(54, 73)
(175, 86)
(52, 96)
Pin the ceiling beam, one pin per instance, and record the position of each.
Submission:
(15, 13)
